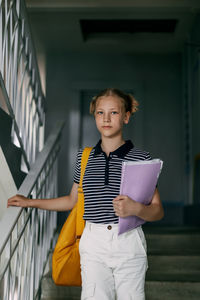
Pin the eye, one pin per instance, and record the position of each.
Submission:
(99, 112)
(114, 112)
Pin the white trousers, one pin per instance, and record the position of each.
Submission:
(112, 267)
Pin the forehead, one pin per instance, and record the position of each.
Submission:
(113, 101)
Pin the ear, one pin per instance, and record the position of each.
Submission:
(127, 117)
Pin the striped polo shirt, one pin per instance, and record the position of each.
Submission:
(101, 182)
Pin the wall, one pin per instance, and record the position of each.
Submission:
(195, 74)
(156, 81)
(195, 107)
(7, 184)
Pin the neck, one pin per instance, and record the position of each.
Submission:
(111, 144)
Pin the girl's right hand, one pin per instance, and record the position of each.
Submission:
(18, 200)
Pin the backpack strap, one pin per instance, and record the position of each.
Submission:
(80, 223)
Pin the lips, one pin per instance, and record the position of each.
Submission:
(106, 127)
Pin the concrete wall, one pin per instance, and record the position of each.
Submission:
(195, 74)
(195, 105)
(7, 184)
(156, 81)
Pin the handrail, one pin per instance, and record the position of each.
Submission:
(12, 214)
(20, 80)
(41, 181)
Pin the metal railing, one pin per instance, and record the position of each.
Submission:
(20, 81)
(26, 235)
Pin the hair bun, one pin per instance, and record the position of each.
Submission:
(135, 104)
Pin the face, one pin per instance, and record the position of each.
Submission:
(110, 116)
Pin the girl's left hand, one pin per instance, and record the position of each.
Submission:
(125, 206)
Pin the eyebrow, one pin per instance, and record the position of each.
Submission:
(109, 108)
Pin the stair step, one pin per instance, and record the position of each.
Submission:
(52, 291)
(174, 267)
(173, 240)
(155, 290)
(178, 268)
(173, 243)
(166, 267)
(184, 229)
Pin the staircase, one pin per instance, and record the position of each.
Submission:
(174, 267)
(174, 263)
(25, 234)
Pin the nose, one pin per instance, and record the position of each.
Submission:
(106, 117)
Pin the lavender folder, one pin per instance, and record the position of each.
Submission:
(138, 181)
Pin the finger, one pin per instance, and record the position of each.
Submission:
(17, 196)
(13, 203)
(12, 200)
(117, 213)
(118, 198)
(117, 209)
(116, 205)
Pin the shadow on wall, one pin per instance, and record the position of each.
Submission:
(196, 187)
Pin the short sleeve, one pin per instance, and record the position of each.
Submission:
(77, 169)
(148, 156)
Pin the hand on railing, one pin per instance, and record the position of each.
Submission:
(18, 200)
(64, 203)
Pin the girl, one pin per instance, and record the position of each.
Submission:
(112, 266)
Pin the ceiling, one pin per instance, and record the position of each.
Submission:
(56, 25)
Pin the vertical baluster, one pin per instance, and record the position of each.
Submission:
(33, 261)
(35, 148)
(16, 100)
(9, 268)
(1, 35)
(37, 249)
(6, 70)
(30, 126)
(5, 45)
(3, 39)
(10, 62)
(32, 102)
(37, 134)
(6, 285)
(31, 285)
(29, 229)
(27, 117)
(41, 222)
(21, 80)
(18, 290)
(15, 61)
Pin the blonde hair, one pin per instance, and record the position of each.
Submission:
(129, 101)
